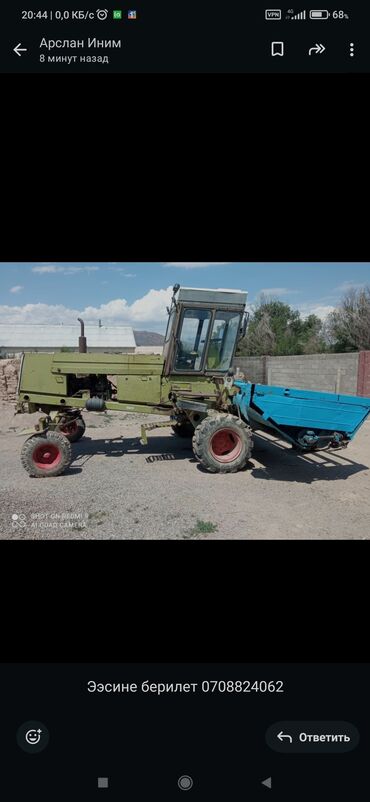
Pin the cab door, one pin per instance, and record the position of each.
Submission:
(192, 341)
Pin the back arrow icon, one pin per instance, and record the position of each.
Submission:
(18, 49)
(317, 49)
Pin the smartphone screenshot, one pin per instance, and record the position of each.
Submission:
(172, 731)
(175, 37)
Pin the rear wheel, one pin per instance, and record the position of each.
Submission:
(73, 430)
(46, 456)
(223, 443)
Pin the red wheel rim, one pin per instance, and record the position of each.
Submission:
(69, 428)
(47, 456)
(226, 445)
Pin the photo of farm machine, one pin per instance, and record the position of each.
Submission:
(193, 382)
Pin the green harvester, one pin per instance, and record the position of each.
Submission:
(192, 383)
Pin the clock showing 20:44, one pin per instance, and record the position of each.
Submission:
(35, 15)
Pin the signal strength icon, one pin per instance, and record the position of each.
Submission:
(300, 15)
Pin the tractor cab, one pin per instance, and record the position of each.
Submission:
(203, 330)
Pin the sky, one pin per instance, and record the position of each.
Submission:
(137, 293)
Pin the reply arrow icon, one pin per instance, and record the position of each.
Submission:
(281, 735)
(19, 50)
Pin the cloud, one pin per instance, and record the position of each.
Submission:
(151, 308)
(120, 270)
(350, 285)
(321, 310)
(17, 288)
(46, 269)
(68, 271)
(191, 265)
(278, 291)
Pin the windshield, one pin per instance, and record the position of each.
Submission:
(222, 343)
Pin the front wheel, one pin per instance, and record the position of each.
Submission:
(223, 443)
(46, 456)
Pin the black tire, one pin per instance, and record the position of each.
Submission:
(183, 429)
(78, 427)
(46, 456)
(223, 443)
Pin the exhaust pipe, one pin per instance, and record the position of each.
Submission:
(82, 344)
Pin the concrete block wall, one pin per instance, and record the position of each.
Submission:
(344, 373)
(253, 367)
(332, 373)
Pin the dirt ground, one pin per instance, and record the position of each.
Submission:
(118, 489)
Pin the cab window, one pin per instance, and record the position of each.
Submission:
(192, 339)
(222, 341)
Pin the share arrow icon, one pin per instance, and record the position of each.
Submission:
(318, 49)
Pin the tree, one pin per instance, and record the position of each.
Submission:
(312, 335)
(276, 329)
(348, 326)
(260, 338)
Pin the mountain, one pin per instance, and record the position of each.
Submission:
(148, 338)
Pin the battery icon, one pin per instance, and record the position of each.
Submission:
(319, 14)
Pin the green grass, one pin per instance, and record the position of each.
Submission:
(203, 528)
